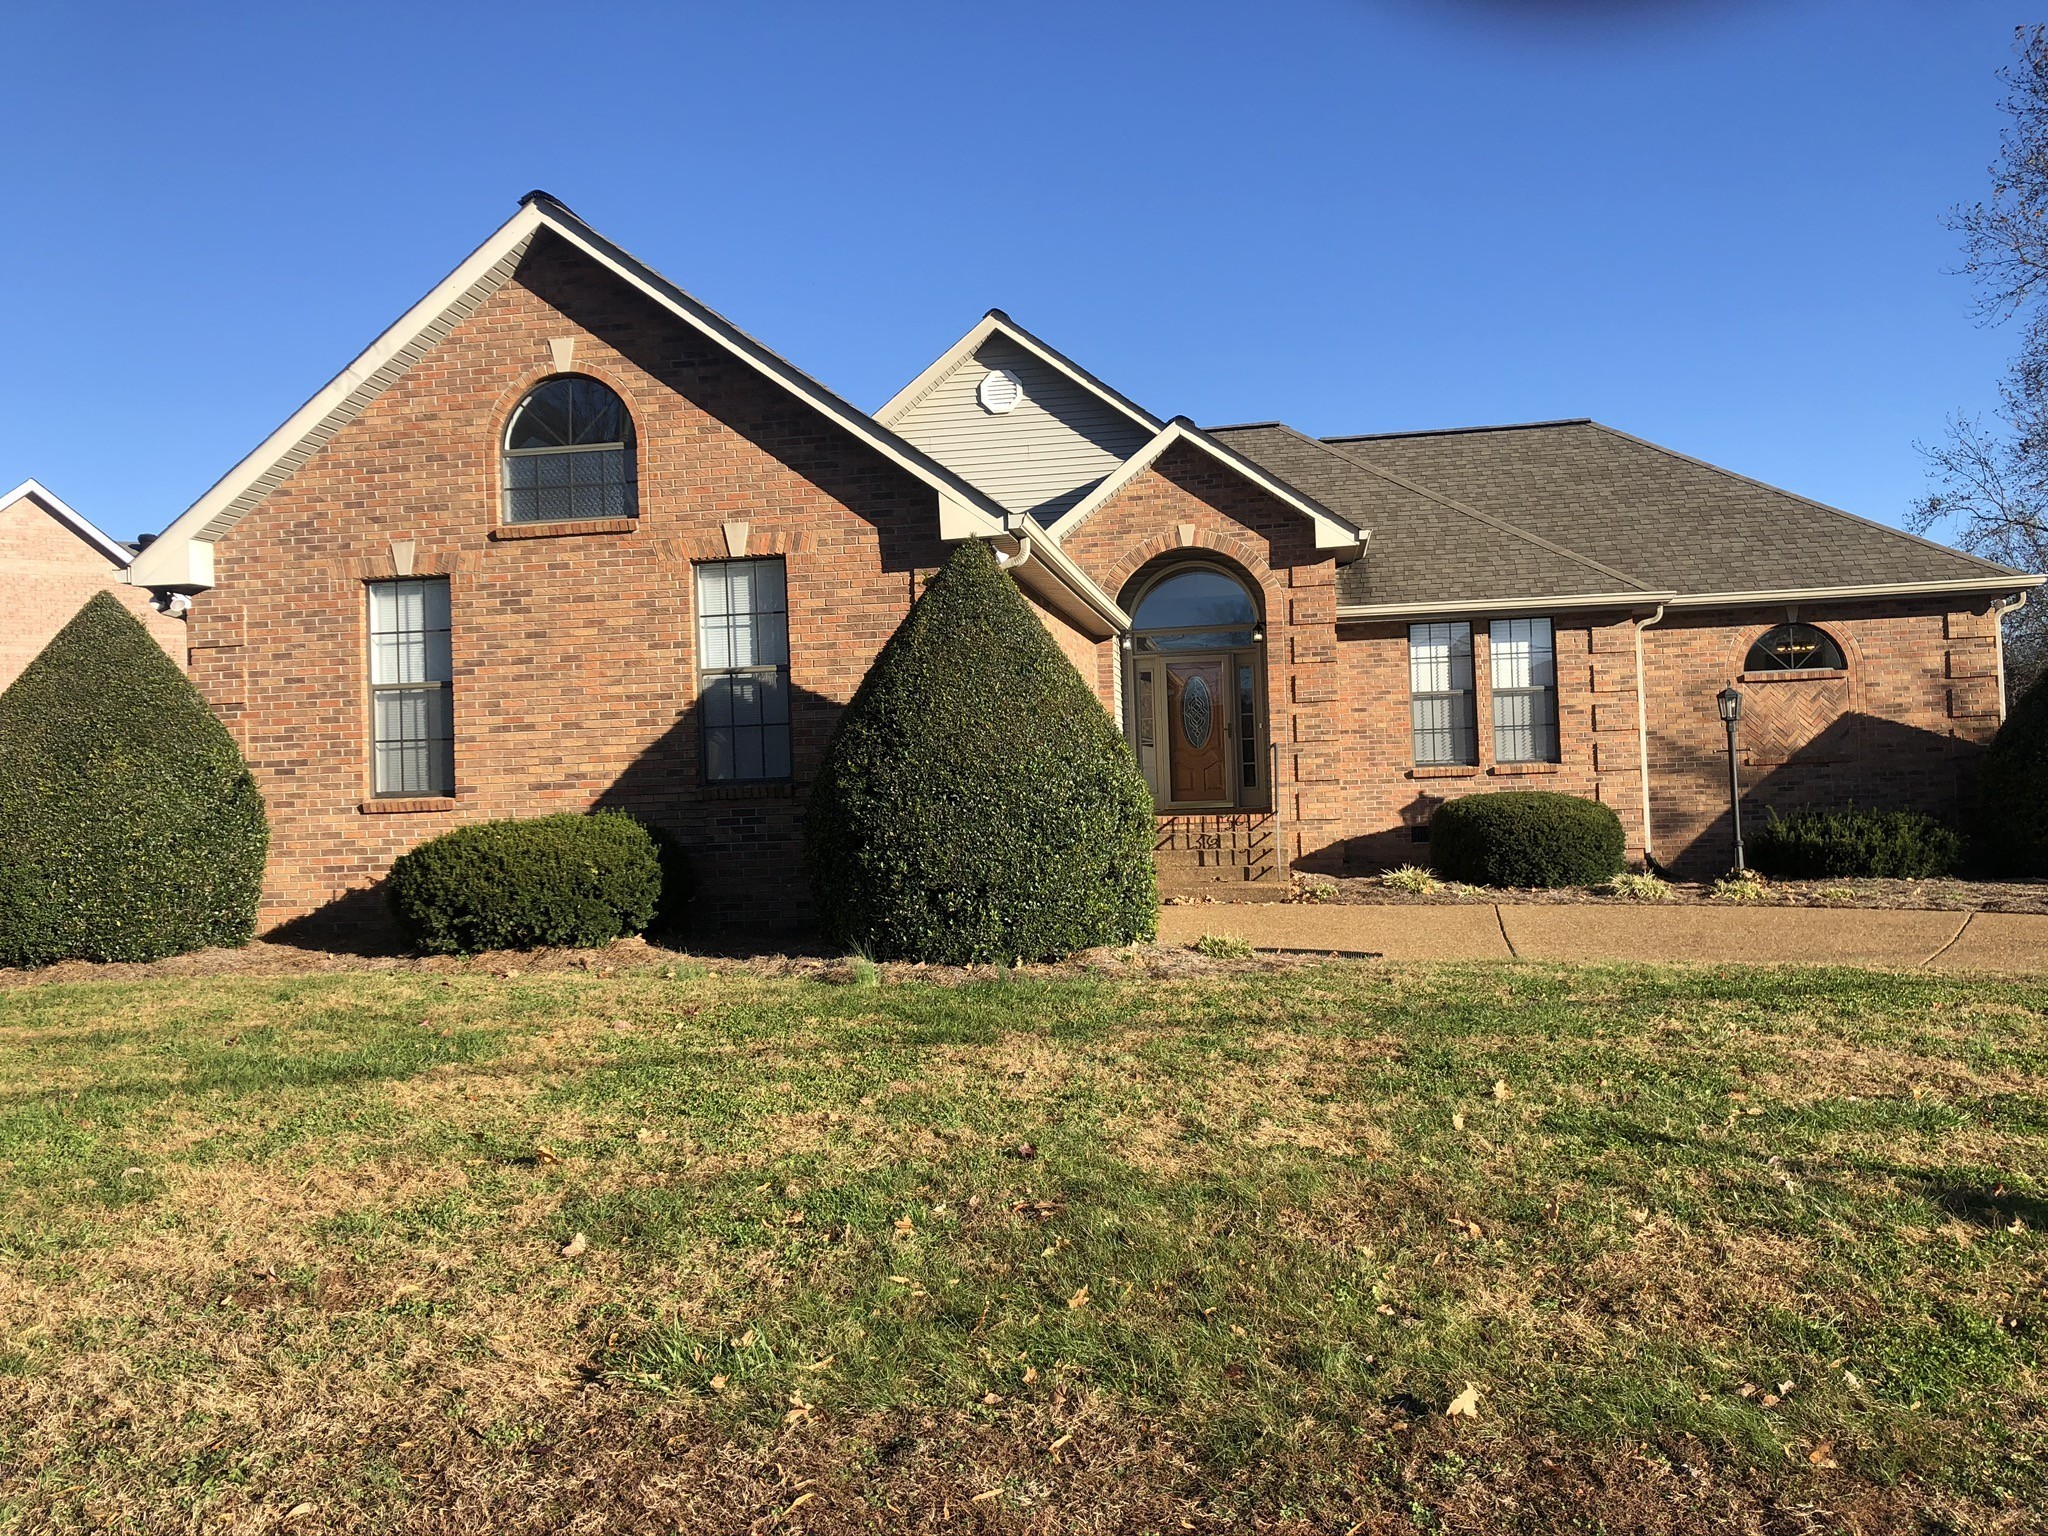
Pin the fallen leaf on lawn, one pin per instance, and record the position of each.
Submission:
(543, 1154)
(984, 1497)
(1502, 1093)
(793, 1219)
(575, 1246)
(1065, 1439)
(296, 1511)
(818, 1365)
(990, 1399)
(1024, 1151)
(1822, 1455)
(798, 1502)
(901, 1280)
(904, 1227)
(2017, 1225)
(1465, 1404)
(1078, 1300)
(746, 1340)
(1784, 1389)
(1770, 1399)
(1747, 1389)
(1030, 1374)
(1457, 1122)
(718, 1383)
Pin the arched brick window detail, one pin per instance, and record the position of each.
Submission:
(1795, 647)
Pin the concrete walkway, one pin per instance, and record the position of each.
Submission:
(1949, 941)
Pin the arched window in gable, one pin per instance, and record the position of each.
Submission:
(569, 454)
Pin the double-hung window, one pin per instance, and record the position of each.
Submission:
(743, 669)
(1440, 694)
(412, 718)
(1524, 664)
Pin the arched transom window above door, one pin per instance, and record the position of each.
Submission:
(1197, 609)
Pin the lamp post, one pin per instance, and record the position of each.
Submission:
(1730, 704)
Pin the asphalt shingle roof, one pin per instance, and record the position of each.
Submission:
(1670, 522)
(1424, 547)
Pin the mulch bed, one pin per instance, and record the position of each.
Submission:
(1925, 895)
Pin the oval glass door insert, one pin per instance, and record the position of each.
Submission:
(1196, 708)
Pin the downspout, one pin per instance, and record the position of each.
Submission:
(1999, 610)
(1017, 530)
(1643, 736)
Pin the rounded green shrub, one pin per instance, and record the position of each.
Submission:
(569, 880)
(2010, 835)
(1527, 838)
(976, 802)
(130, 827)
(1850, 844)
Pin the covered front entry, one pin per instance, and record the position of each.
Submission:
(1197, 691)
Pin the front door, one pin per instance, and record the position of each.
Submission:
(1199, 709)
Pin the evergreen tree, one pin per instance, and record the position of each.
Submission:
(130, 827)
(977, 803)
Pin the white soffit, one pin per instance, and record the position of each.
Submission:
(182, 555)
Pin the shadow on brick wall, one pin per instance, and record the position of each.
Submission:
(1860, 760)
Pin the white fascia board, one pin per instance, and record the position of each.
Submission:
(62, 510)
(163, 563)
(1990, 581)
(996, 324)
(1577, 602)
(1332, 532)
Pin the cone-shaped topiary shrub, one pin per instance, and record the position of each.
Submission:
(576, 881)
(1526, 837)
(1849, 844)
(130, 828)
(976, 802)
(2011, 831)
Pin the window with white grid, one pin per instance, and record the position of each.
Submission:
(1524, 665)
(743, 669)
(412, 717)
(1440, 694)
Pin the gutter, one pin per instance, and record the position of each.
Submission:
(1461, 607)
(1991, 582)
(1643, 736)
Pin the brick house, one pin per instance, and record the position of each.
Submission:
(563, 537)
(51, 561)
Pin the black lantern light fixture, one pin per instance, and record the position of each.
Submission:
(1729, 702)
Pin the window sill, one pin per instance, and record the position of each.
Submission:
(1793, 675)
(401, 807)
(750, 789)
(1515, 770)
(567, 528)
(1446, 771)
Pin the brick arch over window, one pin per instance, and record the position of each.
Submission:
(1246, 558)
(1786, 719)
(514, 394)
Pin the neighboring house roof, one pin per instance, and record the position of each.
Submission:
(1428, 552)
(1333, 529)
(1038, 456)
(58, 508)
(182, 557)
(1671, 522)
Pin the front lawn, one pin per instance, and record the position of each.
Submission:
(675, 1249)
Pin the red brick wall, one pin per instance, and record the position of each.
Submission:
(47, 571)
(1902, 728)
(1386, 796)
(573, 656)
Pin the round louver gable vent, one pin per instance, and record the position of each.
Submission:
(1000, 391)
(1195, 712)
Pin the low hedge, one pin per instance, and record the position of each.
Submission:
(1526, 838)
(1851, 843)
(574, 881)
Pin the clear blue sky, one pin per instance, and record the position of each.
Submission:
(1716, 224)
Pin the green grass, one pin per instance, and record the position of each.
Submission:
(304, 1235)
